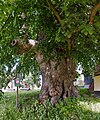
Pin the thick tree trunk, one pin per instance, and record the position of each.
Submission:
(57, 79)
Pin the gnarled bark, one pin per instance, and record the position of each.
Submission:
(57, 81)
(57, 78)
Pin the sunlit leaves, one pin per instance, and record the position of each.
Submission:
(87, 29)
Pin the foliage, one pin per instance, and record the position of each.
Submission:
(1, 94)
(84, 91)
(63, 23)
(30, 109)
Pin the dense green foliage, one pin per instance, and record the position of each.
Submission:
(29, 108)
(70, 21)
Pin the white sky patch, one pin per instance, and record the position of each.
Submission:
(14, 68)
(79, 69)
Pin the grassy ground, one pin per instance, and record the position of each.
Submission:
(83, 108)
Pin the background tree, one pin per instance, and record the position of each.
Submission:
(67, 33)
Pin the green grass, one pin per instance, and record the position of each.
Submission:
(30, 109)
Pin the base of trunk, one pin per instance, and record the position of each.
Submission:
(57, 92)
(58, 82)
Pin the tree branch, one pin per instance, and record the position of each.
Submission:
(23, 48)
(5, 22)
(93, 12)
(55, 12)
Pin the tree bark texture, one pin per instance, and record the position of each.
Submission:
(57, 77)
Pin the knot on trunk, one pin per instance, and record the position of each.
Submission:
(14, 42)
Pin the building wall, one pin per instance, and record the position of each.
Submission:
(97, 83)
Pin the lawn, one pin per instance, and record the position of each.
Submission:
(83, 108)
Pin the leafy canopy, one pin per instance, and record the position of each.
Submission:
(65, 23)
